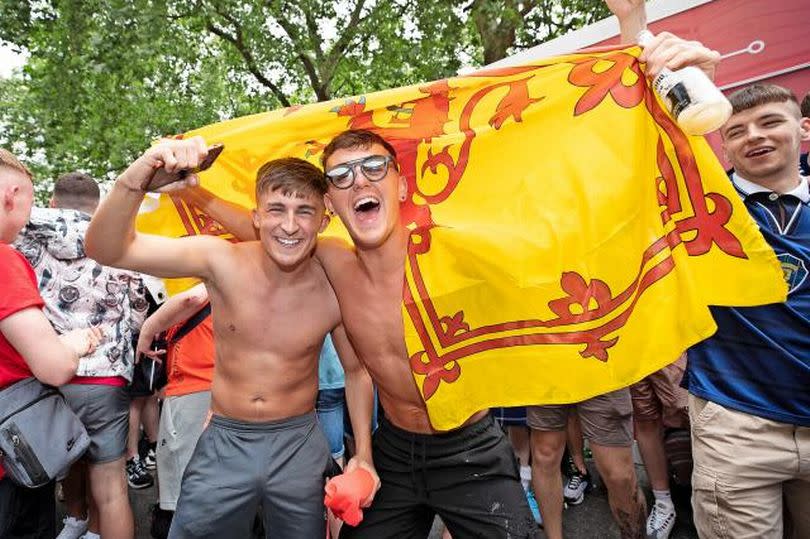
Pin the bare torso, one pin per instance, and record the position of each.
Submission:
(371, 307)
(268, 331)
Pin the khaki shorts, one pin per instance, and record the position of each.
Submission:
(751, 476)
(606, 419)
(660, 396)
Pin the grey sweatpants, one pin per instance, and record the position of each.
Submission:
(238, 466)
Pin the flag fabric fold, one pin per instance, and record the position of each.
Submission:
(566, 236)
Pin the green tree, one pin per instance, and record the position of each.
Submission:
(106, 76)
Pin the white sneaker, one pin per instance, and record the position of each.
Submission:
(73, 529)
(661, 521)
(575, 487)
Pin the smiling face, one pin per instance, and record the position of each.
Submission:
(369, 209)
(288, 225)
(763, 142)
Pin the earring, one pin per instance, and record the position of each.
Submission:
(403, 198)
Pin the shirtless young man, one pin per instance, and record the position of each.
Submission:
(272, 308)
(467, 476)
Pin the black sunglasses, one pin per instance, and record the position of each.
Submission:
(373, 167)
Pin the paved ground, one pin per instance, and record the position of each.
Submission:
(590, 520)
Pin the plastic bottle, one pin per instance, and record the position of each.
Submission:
(694, 101)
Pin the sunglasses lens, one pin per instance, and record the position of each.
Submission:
(340, 176)
(375, 167)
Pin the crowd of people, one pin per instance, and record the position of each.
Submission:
(287, 332)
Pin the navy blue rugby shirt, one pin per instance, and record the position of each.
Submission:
(758, 362)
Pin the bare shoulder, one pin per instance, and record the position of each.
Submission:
(332, 253)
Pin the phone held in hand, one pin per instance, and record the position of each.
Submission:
(161, 177)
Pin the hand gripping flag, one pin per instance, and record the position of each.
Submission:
(566, 236)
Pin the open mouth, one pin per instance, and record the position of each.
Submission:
(366, 207)
(759, 152)
(288, 242)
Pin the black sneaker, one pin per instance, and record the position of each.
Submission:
(137, 476)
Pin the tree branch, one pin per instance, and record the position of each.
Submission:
(250, 61)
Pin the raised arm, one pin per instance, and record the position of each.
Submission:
(112, 240)
(632, 15)
(235, 218)
(177, 309)
(360, 400)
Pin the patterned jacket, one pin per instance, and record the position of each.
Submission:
(79, 292)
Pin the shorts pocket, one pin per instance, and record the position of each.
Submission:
(706, 502)
(700, 416)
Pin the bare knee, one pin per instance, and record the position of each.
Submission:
(547, 449)
(620, 479)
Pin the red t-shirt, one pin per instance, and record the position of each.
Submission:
(18, 291)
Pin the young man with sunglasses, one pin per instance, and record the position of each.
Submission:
(467, 476)
(262, 445)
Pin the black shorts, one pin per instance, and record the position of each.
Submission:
(469, 477)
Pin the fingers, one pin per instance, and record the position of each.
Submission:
(666, 50)
(192, 180)
(94, 338)
(176, 155)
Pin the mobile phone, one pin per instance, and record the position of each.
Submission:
(161, 177)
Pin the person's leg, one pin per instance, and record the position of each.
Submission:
(220, 492)
(648, 397)
(470, 478)
(398, 509)
(181, 425)
(608, 425)
(329, 407)
(108, 486)
(294, 478)
(547, 424)
(104, 410)
(547, 451)
(576, 443)
(74, 487)
(741, 463)
(150, 418)
(134, 433)
(615, 465)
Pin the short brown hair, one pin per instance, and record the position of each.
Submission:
(356, 138)
(760, 94)
(7, 159)
(806, 106)
(76, 191)
(292, 176)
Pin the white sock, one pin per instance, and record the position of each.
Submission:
(526, 477)
(91, 535)
(664, 497)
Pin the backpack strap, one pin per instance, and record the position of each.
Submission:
(192, 322)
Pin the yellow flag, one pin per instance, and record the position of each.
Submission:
(566, 239)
